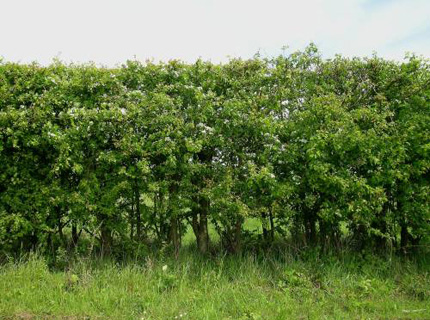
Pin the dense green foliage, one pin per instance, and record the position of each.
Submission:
(125, 159)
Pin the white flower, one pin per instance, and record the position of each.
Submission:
(164, 268)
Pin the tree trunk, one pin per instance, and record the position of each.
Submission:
(404, 238)
(360, 236)
(174, 235)
(131, 219)
(34, 239)
(60, 228)
(272, 225)
(50, 247)
(264, 226)
(61, 234)
(106, 239)
(138, 215)
(203, 235)
(232, 237)
(75, 236)
(310, 227)
(200, 225)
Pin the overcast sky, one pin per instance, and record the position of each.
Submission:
(109, 32)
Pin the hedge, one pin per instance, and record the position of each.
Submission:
(319, 151)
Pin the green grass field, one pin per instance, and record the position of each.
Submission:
(222, 287)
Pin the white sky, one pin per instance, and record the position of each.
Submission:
(109, 32)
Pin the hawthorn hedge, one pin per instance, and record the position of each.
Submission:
(320, 151)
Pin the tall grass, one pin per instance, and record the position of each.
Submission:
(263, 286)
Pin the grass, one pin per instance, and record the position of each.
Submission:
(281, 286)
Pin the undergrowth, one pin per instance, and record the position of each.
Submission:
(284, 285)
